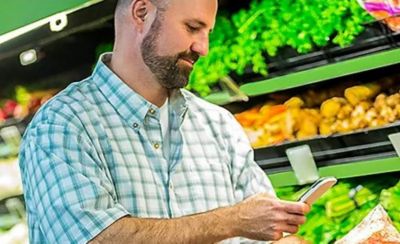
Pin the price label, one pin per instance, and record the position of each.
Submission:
(395, 140)
(303, 164)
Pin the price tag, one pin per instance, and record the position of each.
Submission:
(395, 140)
(303, 164)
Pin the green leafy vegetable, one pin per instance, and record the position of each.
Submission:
(243, 40)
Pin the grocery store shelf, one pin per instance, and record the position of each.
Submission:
(369, 167)
(330, 71)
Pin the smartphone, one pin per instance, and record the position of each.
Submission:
(317, 190)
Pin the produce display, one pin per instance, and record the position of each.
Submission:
(13, 227)
(344, 206)
(18, 234)
(323, 112)
(245, 39)
(10, 179)
(25, 103)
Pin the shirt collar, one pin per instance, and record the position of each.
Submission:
(131, 106)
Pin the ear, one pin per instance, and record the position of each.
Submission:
(140, 10)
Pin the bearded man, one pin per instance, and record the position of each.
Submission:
(128, 156)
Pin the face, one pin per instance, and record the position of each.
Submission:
(177, 38)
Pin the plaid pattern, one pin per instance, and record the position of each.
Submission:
(93, 154)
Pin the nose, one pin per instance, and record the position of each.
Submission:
(201, 46)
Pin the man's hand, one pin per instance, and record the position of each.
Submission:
(264, 217)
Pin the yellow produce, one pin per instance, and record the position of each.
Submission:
(297, 118)
(326, 127)
(309, 120)
(357, 94)
(393, 100)
(345, 111)
(308, 128)
(294, 102)
(343, 126)
(331, 107)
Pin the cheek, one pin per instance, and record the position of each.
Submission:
(172, 41)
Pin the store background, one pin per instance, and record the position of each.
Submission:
(276, 64)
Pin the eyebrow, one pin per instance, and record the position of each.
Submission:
(201, 23)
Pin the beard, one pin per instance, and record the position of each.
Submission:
(168, 72)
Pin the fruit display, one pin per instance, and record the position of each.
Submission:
(344, 206)
(322, 113)
(24, 104)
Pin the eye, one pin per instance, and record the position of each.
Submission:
(192, 29)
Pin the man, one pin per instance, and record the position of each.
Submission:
(126, 156)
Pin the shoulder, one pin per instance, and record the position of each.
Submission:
(65, 108)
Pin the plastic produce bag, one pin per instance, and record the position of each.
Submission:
(387, 11)
(376, 227)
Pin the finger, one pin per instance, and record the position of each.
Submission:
(292, 229)
(294, 219)
(295, 207)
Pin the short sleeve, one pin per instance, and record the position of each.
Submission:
(69, 196)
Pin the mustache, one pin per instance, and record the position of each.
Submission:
(189, 55)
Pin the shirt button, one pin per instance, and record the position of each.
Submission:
(171, 186)
(156, 145)
(135, 125)
(152, 111)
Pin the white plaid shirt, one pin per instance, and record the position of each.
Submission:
(93, 154)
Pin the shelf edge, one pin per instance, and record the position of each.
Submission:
(349, 170)
(326, 72)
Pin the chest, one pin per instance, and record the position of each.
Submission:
(195, 177)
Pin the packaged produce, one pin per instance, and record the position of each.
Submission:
(375, 228)
(387, 11)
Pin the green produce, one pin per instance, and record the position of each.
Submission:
(243, 40)
(8, 221)
(390, 200)
(345, 205)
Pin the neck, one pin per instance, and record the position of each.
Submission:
(138, 77)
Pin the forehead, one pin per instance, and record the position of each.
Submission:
(203, 10)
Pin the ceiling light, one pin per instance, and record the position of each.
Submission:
(28, 57)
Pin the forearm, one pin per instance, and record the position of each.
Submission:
(208, 227)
